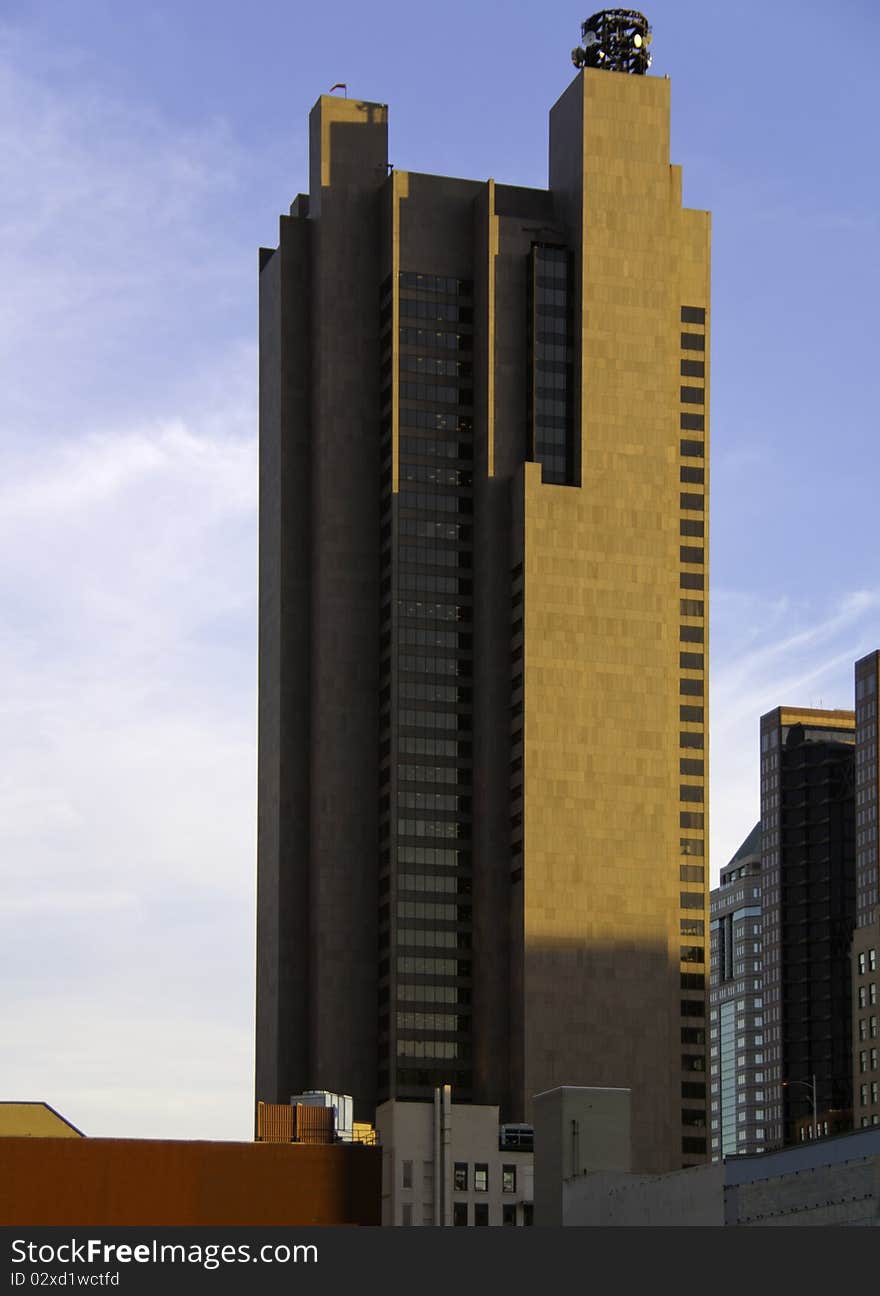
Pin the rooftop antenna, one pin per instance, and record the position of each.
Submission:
(615, 40)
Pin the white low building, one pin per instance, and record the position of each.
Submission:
(453, 1164)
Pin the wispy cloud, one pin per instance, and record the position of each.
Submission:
(773, 652)
(117, 256)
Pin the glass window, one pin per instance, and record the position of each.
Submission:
(459, 1214)
(508, 1213)
(460, 1177)
(691, 686)
(481, 1214)
(692, 527)
(692, 449)
(481, 1177)
(407, 1174)
(508, 1178)
(691, 873)
(693, 1146)
(406, 1213)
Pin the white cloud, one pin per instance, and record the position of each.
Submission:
(127, 644)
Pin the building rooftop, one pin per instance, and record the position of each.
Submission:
(34, 1120)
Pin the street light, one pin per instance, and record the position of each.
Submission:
(812, 1087)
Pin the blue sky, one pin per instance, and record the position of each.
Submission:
(145, 156)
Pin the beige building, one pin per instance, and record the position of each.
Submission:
(451, 1164)
(484, 625)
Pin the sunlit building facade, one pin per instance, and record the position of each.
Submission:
(484, 625)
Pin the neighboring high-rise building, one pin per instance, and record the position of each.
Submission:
(867, 691)
(736, 1007)
(866, 937)
(808, 886)
(483, 621)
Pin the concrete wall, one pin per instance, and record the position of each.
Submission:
(833, 1182)
(577, 1131)
(689, 1198)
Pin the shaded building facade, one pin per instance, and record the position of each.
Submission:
(866, 938)
(483, 625)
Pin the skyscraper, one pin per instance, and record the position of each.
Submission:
(483, 620)
(808, 886)
(736, 1007)
(866, 937)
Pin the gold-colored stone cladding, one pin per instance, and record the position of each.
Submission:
(601, 861)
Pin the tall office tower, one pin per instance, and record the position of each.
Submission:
(736, 1007)
(867, 689)
(483, 621)
(808, 820)
(866, 937)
